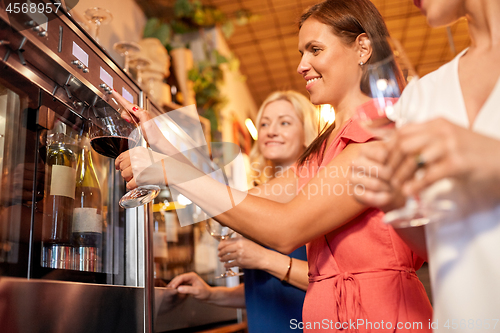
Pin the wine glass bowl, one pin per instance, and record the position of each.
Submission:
(220, 233)
(98, 16)
(380, 116)
(139, 196)
(126, 49)
(386, 80)
(139, 64)
(110, 135)
(154, 84)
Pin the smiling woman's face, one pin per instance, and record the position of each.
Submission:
(281, 133)
(329, 67)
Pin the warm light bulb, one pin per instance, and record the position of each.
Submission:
(327, 114)
(382, 84)
(251, 128)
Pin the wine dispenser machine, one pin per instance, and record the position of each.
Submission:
(71, 260)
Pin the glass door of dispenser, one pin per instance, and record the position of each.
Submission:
(17, 194)
(43, 146)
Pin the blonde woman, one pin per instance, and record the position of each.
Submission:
(273, 292)
(266, 162)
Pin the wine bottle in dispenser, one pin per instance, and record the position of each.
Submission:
(87, 226)
(59, 201)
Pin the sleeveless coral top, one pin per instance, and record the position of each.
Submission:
(362, 275)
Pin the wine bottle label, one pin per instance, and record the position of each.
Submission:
(63, 181)
(87, 220)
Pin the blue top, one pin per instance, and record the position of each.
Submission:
(272, 304)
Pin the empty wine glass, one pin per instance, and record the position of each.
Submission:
(84, 26)
(139, 64)
(110, 136)
(154, 84)
(220, 233)
(126, 49)
(381, 116)
(98, 16)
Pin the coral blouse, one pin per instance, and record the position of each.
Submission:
(362, 275)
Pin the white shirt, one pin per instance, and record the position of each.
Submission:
(464, 255)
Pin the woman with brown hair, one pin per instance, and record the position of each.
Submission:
(361, 274)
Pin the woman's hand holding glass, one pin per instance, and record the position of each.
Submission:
(113, 132)
(221, 233)
(140, 116)
(387, 78)
(395, 175)
(380, 117)
(372, 173)
(450, 153)
(133, 162)
(243, 253)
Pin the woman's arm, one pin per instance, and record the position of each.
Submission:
(323, 205)
(282, 188)
(243, 253)
(371, 173)
(160, 145)
(277, 265)
(191, 283)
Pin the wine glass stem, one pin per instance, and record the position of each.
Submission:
(97, 26)
(127, 62)
(139, 76)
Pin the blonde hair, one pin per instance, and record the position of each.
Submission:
(263, 169)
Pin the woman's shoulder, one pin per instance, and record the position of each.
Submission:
(351, 132)
(354, 132)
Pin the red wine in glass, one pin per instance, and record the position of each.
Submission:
(110, 136)
(112, 146)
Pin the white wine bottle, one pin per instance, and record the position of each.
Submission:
(59, 201)
(87, 227)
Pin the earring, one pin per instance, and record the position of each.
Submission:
(361, 63)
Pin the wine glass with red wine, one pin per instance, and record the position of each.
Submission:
(111, 135)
